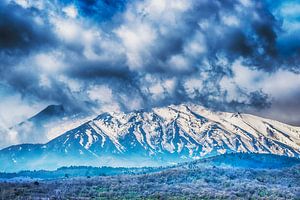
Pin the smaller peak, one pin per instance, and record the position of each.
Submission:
(194, 105)
(104, 116)
(188, 106)
(236, 115)
(49, 111)
(53, 107)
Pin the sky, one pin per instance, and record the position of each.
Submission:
(119, 55)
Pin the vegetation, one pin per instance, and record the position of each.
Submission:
(177, 183)
(78, 171)
(231, 176)
(240, 160)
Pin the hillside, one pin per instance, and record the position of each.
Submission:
(193, 182)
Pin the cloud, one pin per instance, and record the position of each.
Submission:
(22, 30)
(71, 11)
(125, 55)
(280, 88)
(16, 104)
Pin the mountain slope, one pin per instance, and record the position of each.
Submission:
(158, 137)
(45, 125)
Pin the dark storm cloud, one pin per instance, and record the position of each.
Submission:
(20, 31)
(141, 54)
(83, 68)
(227, 27)
(23, 32)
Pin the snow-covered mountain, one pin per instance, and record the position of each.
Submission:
(158, 137)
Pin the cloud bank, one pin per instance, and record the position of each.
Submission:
(235, 55)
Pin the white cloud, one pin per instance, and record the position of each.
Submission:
(280, 84)
(75, 86)
(192, 86)
(14, 109)
(45, 81)
(277, 84)
(100, 93)
(247, 78)
(68, 30)
(132, 102)
(153, 37)
(23, 3)
(290, 13)
(70, 11)
(137, 39)
(230, 20)
(179, 63)
(145, 23)
(290, 9)
(159, 88)
(162, 10)
(48, 62)
(246, 3)
(196, 45)
(103, 96)
(7, 136)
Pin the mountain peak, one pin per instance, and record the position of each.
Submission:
(159, 136)
(51, 111)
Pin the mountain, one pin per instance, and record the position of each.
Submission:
(51, 112)
(45, 125)
(161, 136)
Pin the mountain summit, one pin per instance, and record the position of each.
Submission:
(161, 136)
(51, 111)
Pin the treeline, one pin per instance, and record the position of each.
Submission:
(79, 171)
(239, 160)
(177, 183)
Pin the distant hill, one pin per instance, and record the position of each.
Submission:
(235, 160)
(245, 160)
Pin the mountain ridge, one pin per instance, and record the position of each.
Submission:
(161, 136)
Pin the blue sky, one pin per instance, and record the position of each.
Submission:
(117, 55)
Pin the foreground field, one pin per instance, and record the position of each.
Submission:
(177, 183)
(228, 176)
